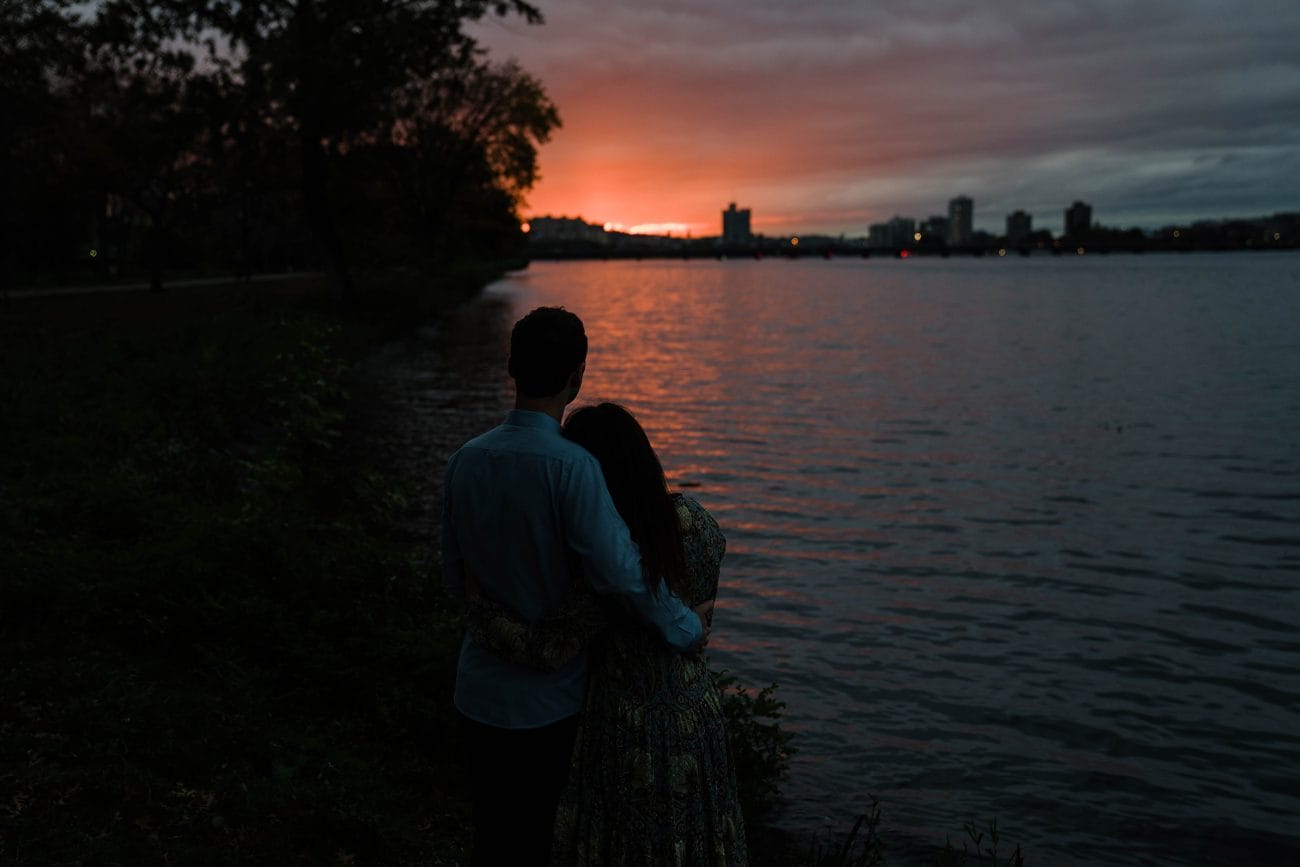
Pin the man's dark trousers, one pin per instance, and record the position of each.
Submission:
(516, 779)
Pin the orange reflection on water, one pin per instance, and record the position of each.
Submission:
(732, 642)
(654, 348)
(773, 591)
(759, 400)
(788, 618)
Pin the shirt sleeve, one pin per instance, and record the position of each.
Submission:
(597, 534)
(453, 566)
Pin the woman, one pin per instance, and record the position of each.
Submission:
(651, 781)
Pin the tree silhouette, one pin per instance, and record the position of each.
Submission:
(184, 130)
(331, 74)
(38, 160)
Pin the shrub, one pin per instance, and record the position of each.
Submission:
(760, 749)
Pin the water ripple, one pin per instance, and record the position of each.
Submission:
(1015, 541)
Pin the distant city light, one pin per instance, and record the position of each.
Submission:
(916, 236)
(794, 242)
(1079, 251)
(1177, 234)
(525, 228)
(1002, 251)
(1277, 236)
(93, 253)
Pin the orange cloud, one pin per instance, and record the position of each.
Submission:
(827, 115)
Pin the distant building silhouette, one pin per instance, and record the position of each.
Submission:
(1078, 220)
(897, 233)
(1019, 227)
(934, 229)
(735, 225)
(961, 212)
(550, 229)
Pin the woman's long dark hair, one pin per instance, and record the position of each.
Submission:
(636, 482)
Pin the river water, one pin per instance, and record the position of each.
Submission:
(1018, 538)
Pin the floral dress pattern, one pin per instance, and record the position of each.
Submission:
(651, 782)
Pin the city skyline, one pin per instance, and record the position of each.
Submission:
(1074, 220)
(827, 117)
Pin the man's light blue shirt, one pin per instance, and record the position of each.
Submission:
(517, 502)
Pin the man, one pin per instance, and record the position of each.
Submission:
(520, 504)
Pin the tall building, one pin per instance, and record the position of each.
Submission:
(961, 211)
(735, 225)
(1078, 220)
(1019, 227)
(901, 231)
(898, 233)
(934, 229)
(878, 236)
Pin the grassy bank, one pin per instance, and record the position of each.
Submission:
(222, 646)
(217, 650)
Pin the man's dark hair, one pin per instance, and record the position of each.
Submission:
(546, 346)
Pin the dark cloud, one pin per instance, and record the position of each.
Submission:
(844, 113)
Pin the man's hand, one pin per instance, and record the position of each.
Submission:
(704, 611)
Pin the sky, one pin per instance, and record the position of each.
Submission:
(824, 116)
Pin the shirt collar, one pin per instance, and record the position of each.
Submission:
(530, 419)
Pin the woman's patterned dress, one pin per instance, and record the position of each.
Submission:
(651, 782)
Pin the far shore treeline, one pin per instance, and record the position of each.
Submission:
(146, 141)
(1273, 233)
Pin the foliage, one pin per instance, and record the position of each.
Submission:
(36, 157)
(867, 850)
(760, 749)
(225, 652)
(228, 134)
(224, 648)
(334, 76)
(865, 846)
(974, 850)
(449, 176)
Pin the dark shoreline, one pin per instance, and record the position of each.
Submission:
(217, 530)
(392, 410)
(226, 648)
(812, 250)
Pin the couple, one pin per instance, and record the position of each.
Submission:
(594, 733)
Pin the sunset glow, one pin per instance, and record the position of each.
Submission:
(826, 117)
(677, 229)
